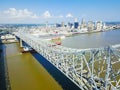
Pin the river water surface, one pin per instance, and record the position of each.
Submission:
(26, 73)
(92, 40)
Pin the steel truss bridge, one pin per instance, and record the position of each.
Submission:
(89, 69)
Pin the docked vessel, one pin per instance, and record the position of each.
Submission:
(27, 49)
(56, 40)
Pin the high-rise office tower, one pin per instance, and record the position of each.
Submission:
(104, 26)
(62, 24)
(90, 26)
(76, 23)
(99, 25)
(83, 24)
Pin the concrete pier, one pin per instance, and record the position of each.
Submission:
(8, 38)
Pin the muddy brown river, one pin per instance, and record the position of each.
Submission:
(26, 73)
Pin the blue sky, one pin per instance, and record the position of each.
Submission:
(40, 11)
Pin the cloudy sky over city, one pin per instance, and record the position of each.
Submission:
(40, 11)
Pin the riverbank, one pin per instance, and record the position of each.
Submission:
(87, 32)
(2, 70)
(26, 73)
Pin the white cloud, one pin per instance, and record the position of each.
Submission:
(47, 14)
(20, 14)
(60, 16)
(11, 11)
(13, 15)
(69, 15)
(35, 16)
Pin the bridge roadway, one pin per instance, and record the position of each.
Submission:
(94, 68)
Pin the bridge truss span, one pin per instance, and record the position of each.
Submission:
(89, 69)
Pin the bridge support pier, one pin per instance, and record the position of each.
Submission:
(21, 43)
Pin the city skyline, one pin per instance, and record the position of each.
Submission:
(54, 11)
